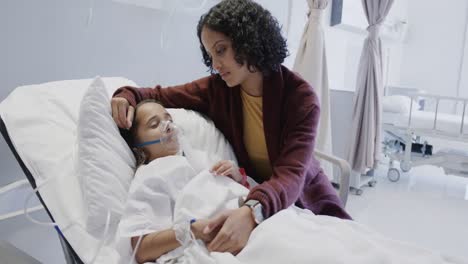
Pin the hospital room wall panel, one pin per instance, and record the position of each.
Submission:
(51, 40)
(433, 50)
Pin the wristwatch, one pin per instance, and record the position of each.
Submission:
(257, 212)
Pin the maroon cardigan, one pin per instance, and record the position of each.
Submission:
(290, 117)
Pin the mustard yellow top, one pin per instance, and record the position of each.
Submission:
(254, 135)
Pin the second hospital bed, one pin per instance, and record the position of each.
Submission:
(408, 121)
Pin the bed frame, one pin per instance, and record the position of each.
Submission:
(406, 134)
(70, 255)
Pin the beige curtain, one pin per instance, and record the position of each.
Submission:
(311, 64)
(365, 131)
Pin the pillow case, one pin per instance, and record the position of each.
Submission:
(105, 165)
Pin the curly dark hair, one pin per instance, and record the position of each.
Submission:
(254, 32)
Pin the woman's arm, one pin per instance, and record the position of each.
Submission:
(193, 95)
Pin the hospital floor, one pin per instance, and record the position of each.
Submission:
(425, 208)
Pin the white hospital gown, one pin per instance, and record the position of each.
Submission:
(173, 190)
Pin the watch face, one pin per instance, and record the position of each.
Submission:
(257, 212)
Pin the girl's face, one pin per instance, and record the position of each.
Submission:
(219, 48)
(150, 122)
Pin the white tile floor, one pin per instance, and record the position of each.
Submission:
(425, 208)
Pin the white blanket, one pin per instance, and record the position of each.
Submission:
(291, 236)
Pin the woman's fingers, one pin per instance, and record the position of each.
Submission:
(130, 114)
(119, 111)
(221, 241)
(235, 251)
(115, 113)
(231, 248)
(215, 223)
(123, 115)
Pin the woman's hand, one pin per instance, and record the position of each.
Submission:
(122, 112)
(197, 229)
(237, 225)
(227, 168)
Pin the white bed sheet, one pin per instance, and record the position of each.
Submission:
(425, 120)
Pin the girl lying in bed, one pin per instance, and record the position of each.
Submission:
(167, 164)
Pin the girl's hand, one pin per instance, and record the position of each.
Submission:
(227, 168)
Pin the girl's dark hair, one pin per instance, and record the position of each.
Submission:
(129, 135)
(254, 32)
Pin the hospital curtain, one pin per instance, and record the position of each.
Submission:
(365, 129)
(311, 64)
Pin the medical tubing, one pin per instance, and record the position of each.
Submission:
(90, 13)
(26, 209)
(171, 15)
(166, 25)
(103, 240)
(53, 224)
(138, 244)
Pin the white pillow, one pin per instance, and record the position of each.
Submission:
(398, 104)
(202, 134)
(106, 164)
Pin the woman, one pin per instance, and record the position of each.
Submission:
(268, 114)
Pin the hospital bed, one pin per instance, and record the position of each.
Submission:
(39, 124)
(409, 126)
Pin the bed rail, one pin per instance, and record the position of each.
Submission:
(438, 98)
(345, 173)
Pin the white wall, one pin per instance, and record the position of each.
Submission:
(432, 53)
